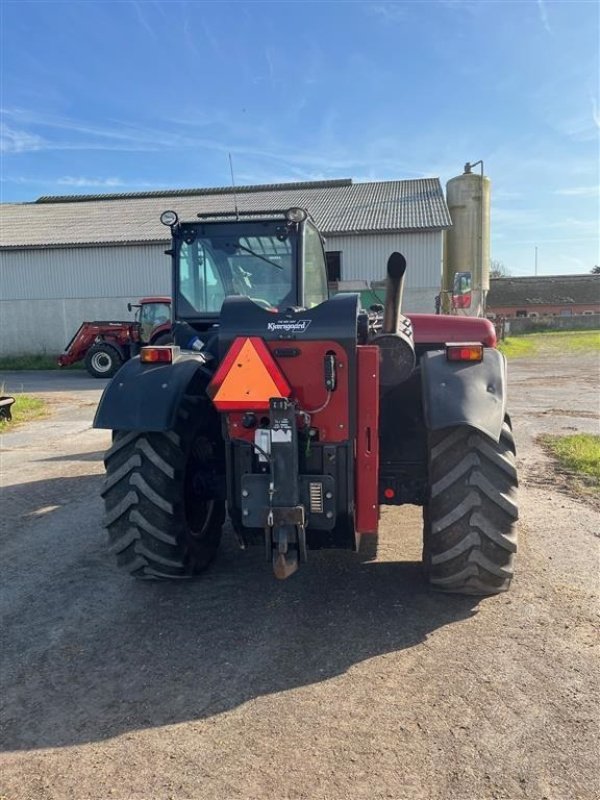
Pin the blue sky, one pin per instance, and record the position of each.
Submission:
(133, 95)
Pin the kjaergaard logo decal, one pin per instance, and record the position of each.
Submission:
(288, 325)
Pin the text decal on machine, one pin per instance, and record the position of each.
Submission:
(288, 325)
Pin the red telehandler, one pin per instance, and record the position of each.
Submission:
(299, 416)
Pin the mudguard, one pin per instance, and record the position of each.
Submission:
(462, 393)
(145, 397)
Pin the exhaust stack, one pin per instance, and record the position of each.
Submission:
(396, 346)
(396, 267)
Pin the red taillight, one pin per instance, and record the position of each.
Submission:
(388, 493)
(464, 352)
(156, 355)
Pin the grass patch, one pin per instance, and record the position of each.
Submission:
(550, 343)
(44, 361)
(517, 346)
(24, 409)
(578, 454)
(10, 363)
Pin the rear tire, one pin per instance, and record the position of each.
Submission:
(103, 360)
(470, 535)
(163, 513)
(162, 339)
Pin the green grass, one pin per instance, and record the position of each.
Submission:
(517, 346)
(550, 343)
(579, 454)
(24, 409)
(44, 361)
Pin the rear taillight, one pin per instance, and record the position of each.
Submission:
(464, 352)
(156, 355)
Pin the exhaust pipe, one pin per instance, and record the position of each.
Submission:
(396, 267)
(397, 357)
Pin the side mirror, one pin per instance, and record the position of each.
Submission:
(462, 290)
(129, 307)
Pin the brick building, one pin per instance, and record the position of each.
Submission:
(545, 296)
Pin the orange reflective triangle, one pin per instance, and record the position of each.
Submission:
(247, 378)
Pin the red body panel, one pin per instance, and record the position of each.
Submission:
(367, 441)
(442, 328)
(305, 375)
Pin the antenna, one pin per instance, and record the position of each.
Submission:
(237, 213)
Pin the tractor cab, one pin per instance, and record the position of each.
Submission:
(274, 258)
(150, 314)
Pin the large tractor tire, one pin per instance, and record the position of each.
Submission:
(103, 360)
(163, 511)
(470, 536)
(162, 339)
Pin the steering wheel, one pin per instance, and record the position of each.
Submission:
(262, 303)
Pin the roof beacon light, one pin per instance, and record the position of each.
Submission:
(465, 351)
(169, 218)
(295, 214)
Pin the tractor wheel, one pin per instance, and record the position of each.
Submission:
(163, 339)
(470, 533)
(163, 513)
(103, 360)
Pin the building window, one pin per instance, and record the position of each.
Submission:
(588, 313)
(521, 313)
(533, 315)
(566, 312)
(334, 265)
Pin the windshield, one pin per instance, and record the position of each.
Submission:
(236, 259)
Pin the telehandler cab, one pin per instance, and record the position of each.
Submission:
(301, 415)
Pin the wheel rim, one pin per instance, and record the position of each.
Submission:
(102, 362)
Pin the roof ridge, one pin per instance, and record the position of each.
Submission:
(569, 276)
(199, 192)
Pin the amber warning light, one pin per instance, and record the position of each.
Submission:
(247, 378)
(466, 351)
(156, 355)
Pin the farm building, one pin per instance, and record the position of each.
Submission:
(68, 259)
(545, 296)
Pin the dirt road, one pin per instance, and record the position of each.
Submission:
(349, 681)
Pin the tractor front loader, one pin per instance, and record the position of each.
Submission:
(299, 416)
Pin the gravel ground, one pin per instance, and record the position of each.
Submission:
(351, 680)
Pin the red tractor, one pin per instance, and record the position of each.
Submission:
(299, 416)
(106, 345)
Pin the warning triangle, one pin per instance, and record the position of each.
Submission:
(247, 378)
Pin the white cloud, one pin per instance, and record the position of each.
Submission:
(544, 16)
(13, 140)
(105, 183)
(579, 191)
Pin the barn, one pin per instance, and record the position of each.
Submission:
(68, 259)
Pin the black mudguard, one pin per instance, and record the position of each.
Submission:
(462, 393)
(145, 397)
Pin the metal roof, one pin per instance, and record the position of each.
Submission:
(338, 207)
(546, 290)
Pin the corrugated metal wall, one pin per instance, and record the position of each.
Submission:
(46, 294)
(81, 272)
(365, 257)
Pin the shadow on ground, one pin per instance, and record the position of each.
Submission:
(97, 654)
(98, 455)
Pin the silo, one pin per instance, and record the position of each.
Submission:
(467, 243)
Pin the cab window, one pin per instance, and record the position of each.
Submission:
(315, 271)
(200, 282)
